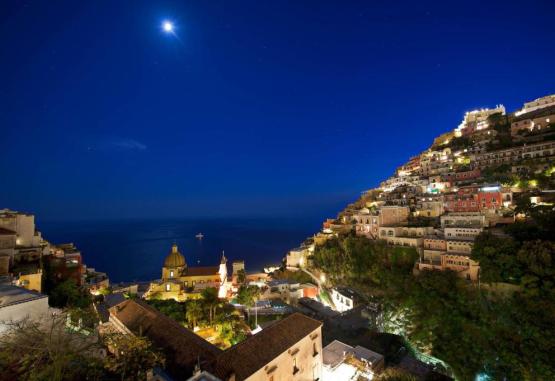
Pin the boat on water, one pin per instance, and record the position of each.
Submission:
(199, 236)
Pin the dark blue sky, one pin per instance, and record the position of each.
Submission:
(257, 108)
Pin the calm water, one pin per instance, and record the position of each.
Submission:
(135, 249)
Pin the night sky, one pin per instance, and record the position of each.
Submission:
(252, 108)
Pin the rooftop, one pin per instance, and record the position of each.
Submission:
(350, 293)
(184, 349)
(10, 295)
(278, 282)
(203, 376)
(334, 354)
(202, 271)
(252, 354)
(9, 212)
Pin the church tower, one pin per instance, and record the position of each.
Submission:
(222, 292)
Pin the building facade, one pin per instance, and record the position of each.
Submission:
(17, 303)
(181, 282)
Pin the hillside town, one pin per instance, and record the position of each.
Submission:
(468, 181)
(317, 317)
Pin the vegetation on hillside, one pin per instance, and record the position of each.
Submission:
(352, 259)
(296, 276)
(470, 328)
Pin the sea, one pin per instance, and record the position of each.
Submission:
(134, 250)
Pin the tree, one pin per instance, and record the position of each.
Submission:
(474, 330)
(247, 295)
(537, 258)
(497, 258)
(193, 313)
(393, 374)
(133, 356)
(210, 301)
(171, 308)
(68, 294)
(47, 350)
(523, 204)
(241, 276)
(230, 327)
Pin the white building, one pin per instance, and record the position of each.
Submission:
(344, 298)
(405, 231)
(476, 120)
(459, 247)
(298, 257)
(463, 219)
(464, 234)
(23, 225)
(18, 303)
(536, 104)
(285, 289)
(367, 223)
(341, 362)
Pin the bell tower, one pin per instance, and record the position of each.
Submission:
(222, 292)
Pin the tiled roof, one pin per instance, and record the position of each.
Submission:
(249, 356)
(10, 295)
(109, 301)
(202, 271)
(183, 348)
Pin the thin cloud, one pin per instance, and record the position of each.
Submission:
(127, 145)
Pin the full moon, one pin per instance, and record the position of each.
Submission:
(167, 26)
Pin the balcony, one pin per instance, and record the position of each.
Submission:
(431, 262)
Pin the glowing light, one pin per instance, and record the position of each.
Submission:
(490, 189)
(167, 26)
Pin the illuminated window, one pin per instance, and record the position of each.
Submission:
(171, 274)
(168, 287)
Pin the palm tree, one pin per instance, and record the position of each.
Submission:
(193, 313)
(211, 301)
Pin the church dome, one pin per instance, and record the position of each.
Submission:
(174, 258)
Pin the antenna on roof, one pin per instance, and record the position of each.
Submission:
(197, 367)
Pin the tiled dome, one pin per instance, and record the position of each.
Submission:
(174, 258)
